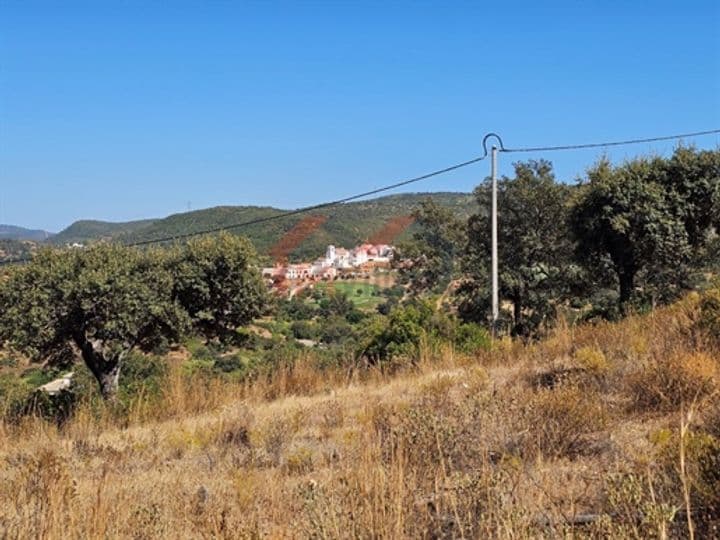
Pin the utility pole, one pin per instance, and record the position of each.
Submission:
(495, 301)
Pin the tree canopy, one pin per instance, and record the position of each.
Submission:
(216, 281)
(533, 245)
(629, 216)
(429, 260)
(99, 303)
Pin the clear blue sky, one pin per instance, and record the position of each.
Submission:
(130, 109)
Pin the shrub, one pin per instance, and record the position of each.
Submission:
(199, 350)
(592, 359)
(296, 309)
(669, 382)
(471, 338)
(401, 333)
(702, 468)
(335, 330)
(554, 423)
(248, 340)
(303, 330)
(710, 313)
(143, 374)
(299, 460)
(229, 363)
(20, 397)
(8, 361)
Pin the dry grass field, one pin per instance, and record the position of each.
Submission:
(609, 430)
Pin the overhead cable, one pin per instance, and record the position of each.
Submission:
(603, 144)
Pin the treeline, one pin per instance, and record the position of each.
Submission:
(11, 250)
(624, 237)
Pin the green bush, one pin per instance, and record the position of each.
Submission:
(304, 330)
(230, 363)
(296, 309)
(335, 330)
(142, 374)
(8, 361)
(400, 334)
(19, 394)
(710, 313)
(14, 392)
(471, 338)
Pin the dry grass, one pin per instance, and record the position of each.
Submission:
(515, 443)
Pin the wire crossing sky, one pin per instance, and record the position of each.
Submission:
(126, 110)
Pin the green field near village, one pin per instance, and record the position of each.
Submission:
(363, 295)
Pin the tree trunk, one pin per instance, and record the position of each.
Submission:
(627, 286)
(105, 369)
(517, 311)
(109, 383)
(518, 328)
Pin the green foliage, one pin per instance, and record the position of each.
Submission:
(695, 177)
(142, 374)
(471, 338)
(429, 260)
(229, 363)
(401, 333)
(335, 304)
(296, 309)
(537, 270)
(407, 327)
(11, 250)
(216, 281)
(14, 393)
(643, 217)
(304, 330)
(335, 329)
(710, 313)
(103, 302)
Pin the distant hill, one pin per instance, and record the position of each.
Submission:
(342, 225)
(87, 230)
(11, 232)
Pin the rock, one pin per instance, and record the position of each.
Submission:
(57, 386)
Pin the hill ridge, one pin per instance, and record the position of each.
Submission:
(345, 225)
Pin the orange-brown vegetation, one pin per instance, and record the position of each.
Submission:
(603, 431)
(295, 236)
(391, 230)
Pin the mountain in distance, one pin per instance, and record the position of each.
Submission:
(12, 232)
(87, 230)
(304, 235)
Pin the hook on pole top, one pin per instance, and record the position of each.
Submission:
(496, 136)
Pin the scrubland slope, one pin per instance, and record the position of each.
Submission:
(605, 430)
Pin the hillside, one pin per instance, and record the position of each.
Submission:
(577, 436)
(12, 232)
(86, 230)
(343, 225)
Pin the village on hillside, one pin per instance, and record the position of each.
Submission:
(338, 263)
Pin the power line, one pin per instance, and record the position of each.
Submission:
(602, 144)
(305, 209)
(396, 185)
(290, 213)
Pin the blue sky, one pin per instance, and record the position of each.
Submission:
(125, 110)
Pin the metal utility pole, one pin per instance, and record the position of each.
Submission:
(495, 301)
